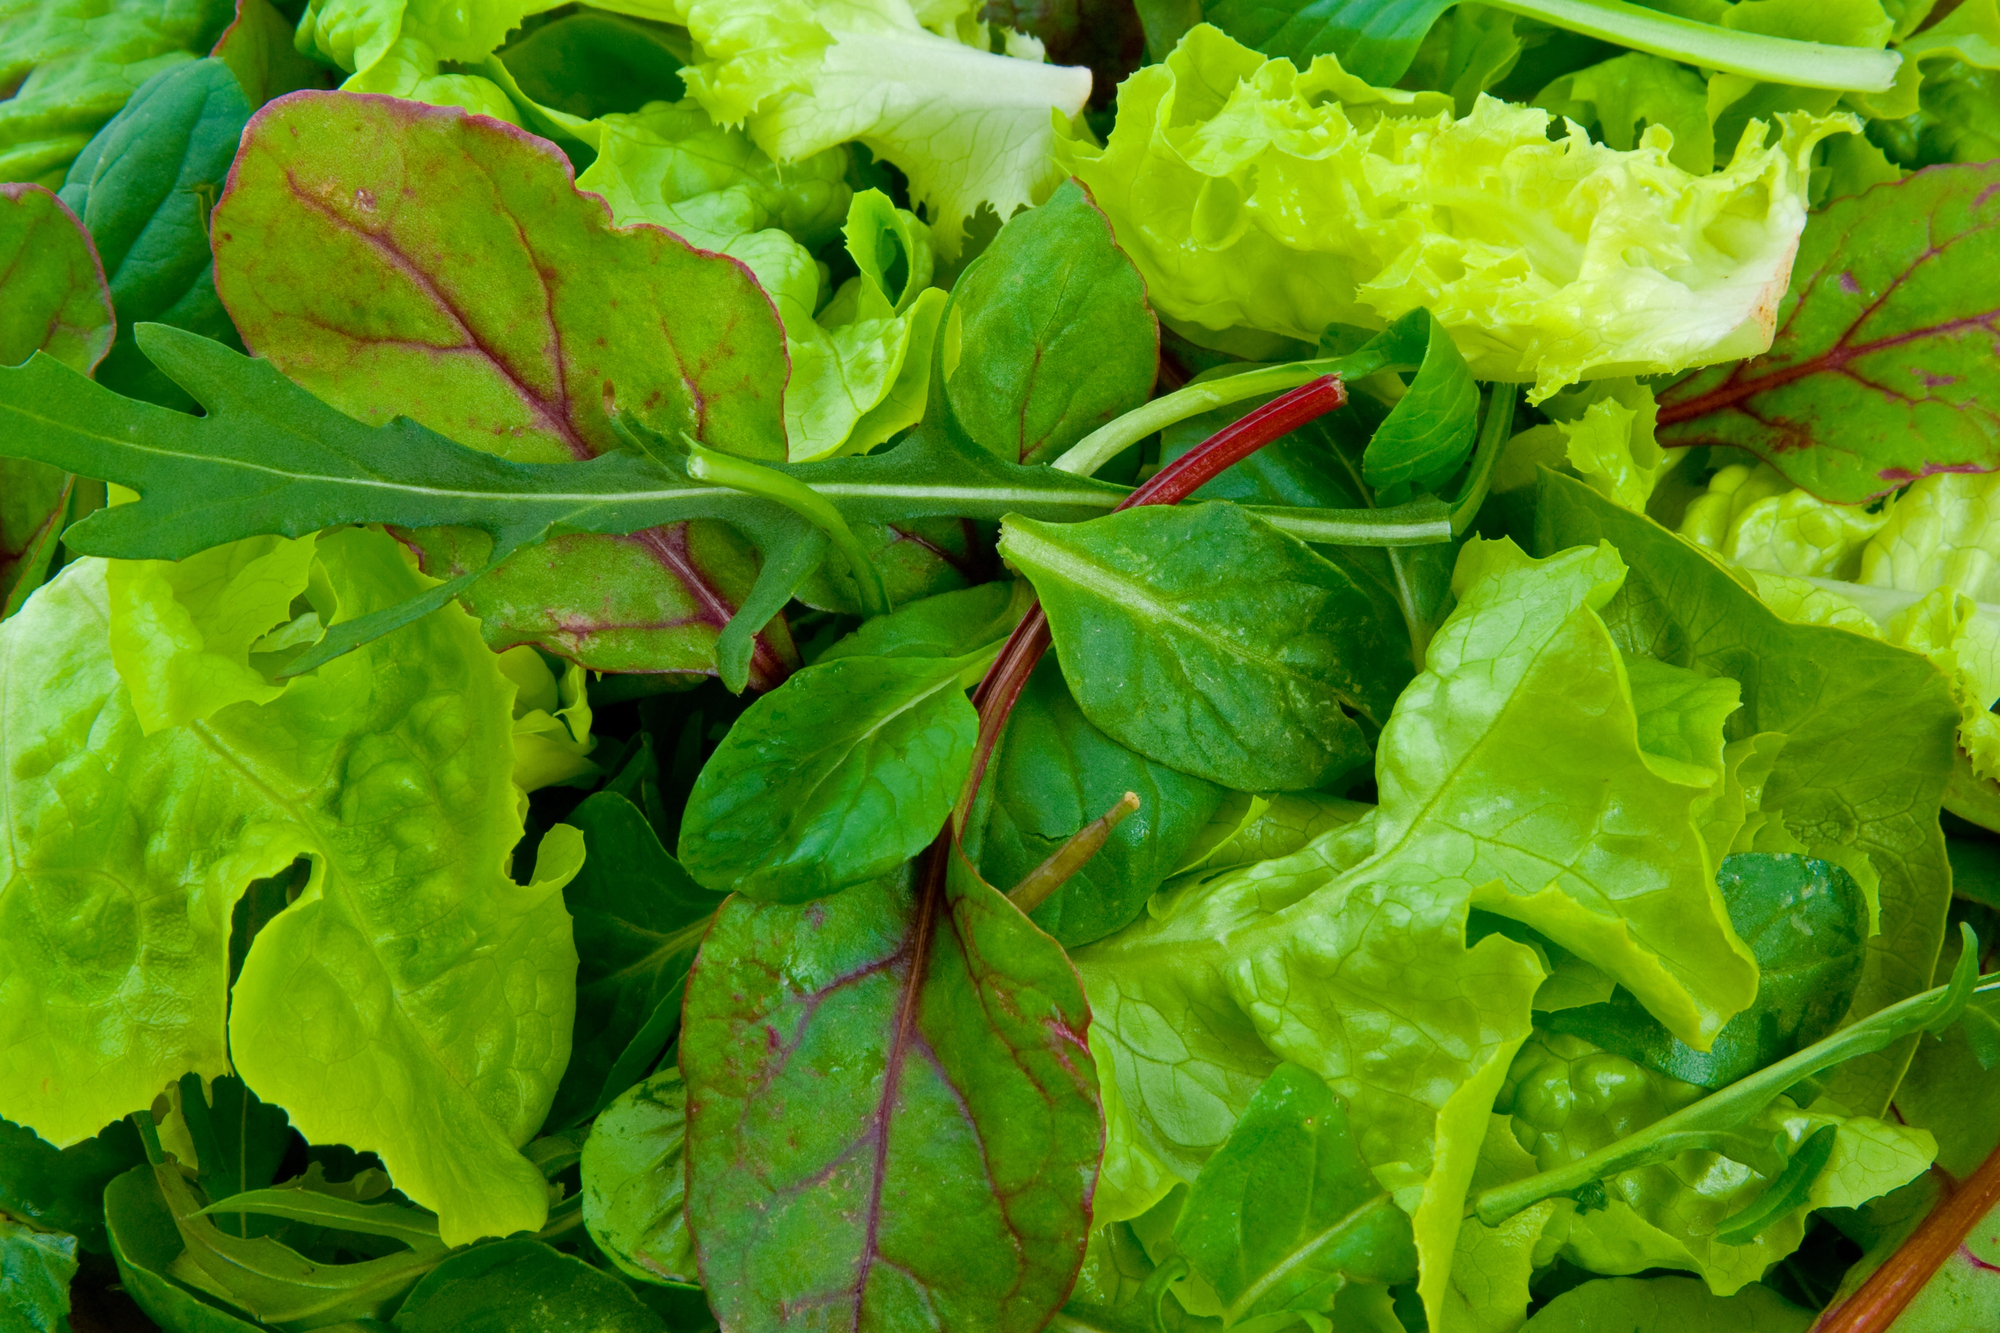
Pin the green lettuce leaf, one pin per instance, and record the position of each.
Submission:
(1223, 177)
(1667, 1305)
(1621, 96)
(357, 34)
(917, 84)
(1360, 970)
(70, 64)
(414, 1001)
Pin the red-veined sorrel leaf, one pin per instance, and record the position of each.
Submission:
(1884, 367)
(52, 299)
(480, 294)
(893, 1117)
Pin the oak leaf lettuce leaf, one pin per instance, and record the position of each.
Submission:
(1252, 193)
(414, 1000)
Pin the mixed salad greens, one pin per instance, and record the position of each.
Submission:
(899, 664)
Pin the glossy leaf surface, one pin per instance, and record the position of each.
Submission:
(892, 1115)
(1882, 369)
(1375, 40)
(833, 780)
(522, 1286)
(1048, 336)
(1210, 643)
(635, 1181)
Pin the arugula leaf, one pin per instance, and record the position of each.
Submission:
(1286, 1213)
(53, 300)
(522, 1286)
(635, 1185)
(1195, 637)
(1048, 335)
(144, 187)
(892, 1115)
(1807, 923)
(1666, 1305)
(1833, 785)
(145, 1244)
(73, 63)
(637, 918)
(36, 1268)
(437, 1058)
(1882, 370)
(833, 779)
(1533, 282)
(1051, 774)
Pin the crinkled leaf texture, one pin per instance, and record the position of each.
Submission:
(1883, 365)
(1229, 180)
(967, 126)
(414, 1001)
(52, 299)
(892, 1114)
(1835, 787)
(1349, 957)
(484, 296)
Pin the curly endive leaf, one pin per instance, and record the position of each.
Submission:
(414, 1001)
(1884, 364)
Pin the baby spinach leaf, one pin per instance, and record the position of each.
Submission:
(892, 1114)
(522, 1286)
(1051, 773)
(52, 299)
(258, 49)
(951, 624)
(1975, 869)
(1833, 784)
(1807, 923)
(590, 63)
(36, 1268)
(635, 1181)
(637, 918)
(1883, 366)
(1210, 643)
(1287, 1213)
(414, 1000)
(64, 1190)
(834, 779)
(1667, 1305)
(144, 186)
(1375, 40)
(1048, 336)
(1428, 433)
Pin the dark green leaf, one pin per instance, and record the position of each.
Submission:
(1666, 1305)
(1051, 773)
(1049, 335)
(1807, 922)
(64, 1190)
(258, 47)
(635, 1181)
(1429, 431)
(1975, 870)
(239, 1140)
(1785, 1192)
(1209, 642)
(892, 1114)
(1884, 366)
(144, 187)
(522, 1286)
(36, 1268)
(592, 64)
(414, 1227)
(951, 624)
(638, 918)
(1286, 1213)
(833, 779)
(1375, 40)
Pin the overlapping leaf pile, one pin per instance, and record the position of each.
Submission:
(770, 665)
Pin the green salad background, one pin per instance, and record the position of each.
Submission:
(892, 665)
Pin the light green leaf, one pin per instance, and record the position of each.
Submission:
(413, 1001)
(1620, 97)
(635, 1182)
(1572, 261)
(1667, 1305)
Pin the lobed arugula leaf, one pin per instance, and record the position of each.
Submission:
(1882, 369)
(943, 1172)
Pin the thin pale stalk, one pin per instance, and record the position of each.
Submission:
(1075, 853)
